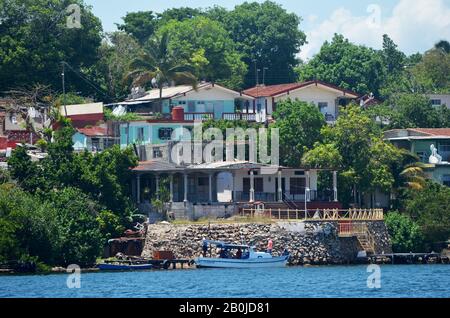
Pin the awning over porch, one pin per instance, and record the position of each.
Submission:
(165, 166)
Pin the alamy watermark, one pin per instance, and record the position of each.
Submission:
(74, 278)
(208, 146)
(374, 279)
(374, 19)
(73, 19)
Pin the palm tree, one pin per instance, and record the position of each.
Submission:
(413, 176)
(160, 67)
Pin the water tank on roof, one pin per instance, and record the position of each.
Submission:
(178, 113)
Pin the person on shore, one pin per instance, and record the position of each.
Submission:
(270, 246)
(205, 247)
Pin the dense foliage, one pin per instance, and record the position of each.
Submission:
(405, 234)
(35, 40)
(64, 208)
(366, 161)
(299, 125)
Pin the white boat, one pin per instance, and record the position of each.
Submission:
(247, 258)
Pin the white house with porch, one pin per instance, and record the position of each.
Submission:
(221, 189)
(325, 96)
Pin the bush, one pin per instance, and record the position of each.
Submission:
(430, 209)
(405, 234)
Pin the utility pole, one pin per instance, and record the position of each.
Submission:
(264, 75)
(64, 87)
(257, 70)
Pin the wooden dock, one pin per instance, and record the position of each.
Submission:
(408, 258)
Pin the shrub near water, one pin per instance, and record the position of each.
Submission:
(60, 230)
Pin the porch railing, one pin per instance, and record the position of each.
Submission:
(198, 116)
(239, 116)
(316, 215)
(240, 196)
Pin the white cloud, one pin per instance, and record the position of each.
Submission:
(414, 25)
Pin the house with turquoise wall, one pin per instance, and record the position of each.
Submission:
(156, 132)
(92, 138)
(419, 141)
(206, 101)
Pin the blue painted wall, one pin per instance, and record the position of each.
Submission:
(79, 141)
(151, 133)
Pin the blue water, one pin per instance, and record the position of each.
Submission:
(333, 281)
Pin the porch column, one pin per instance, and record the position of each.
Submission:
(335, 190)
(171, 187)
(308, 186)
(252, 186)
(185, 187)
(280, 189)
(157, 185)
(138, 189)
(210, 187)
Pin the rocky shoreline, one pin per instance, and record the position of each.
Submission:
(309, 243)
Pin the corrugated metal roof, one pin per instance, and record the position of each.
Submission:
(174, 91)
(93, 131)
(161, 165)
(275, 90)
(82, 109)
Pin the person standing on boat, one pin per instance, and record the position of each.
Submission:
(270, 246)
(205, 247)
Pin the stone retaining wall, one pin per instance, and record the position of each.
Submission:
(308, 242)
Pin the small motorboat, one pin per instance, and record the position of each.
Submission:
(245, 257)
(122, 266)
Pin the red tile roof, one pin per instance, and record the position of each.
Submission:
(433, 131)
(273, 90)
(93, 131)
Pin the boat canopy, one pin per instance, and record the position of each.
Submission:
(224, 245)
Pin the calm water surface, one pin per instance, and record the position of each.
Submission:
(333, 281)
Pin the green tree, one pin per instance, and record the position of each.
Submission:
(116, 54)
(433, 72)
(141, 25)
(158, 63)
(299, 124)
(207, 46)
(266, 35)
(367, 162)
(28, 227)
(79, 239)
(346, 65)
(413, 110)
(429, 208)
(179, 14)
(23, 170)
(393, 59)
(35, 40)
(405, 234)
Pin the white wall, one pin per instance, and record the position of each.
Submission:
(445, 98)
(214, 93)
(314, 94)
(269, 180)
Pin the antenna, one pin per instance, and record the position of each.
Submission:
(63, 74)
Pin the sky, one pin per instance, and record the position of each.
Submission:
(415, 25)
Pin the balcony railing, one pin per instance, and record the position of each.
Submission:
(316, 214)
(240, 196)
(198, 116)
(239, 116)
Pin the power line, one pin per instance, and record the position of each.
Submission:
(92, 84)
